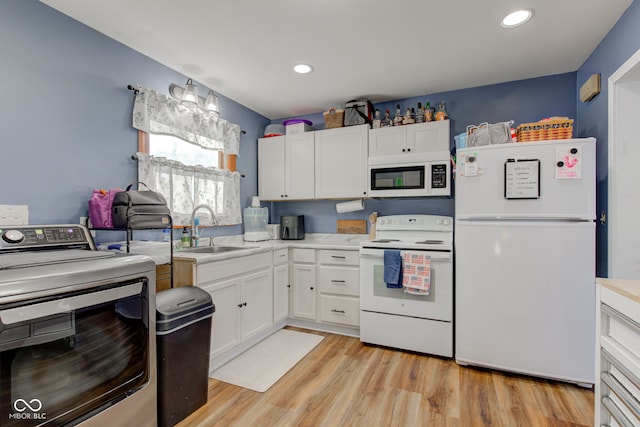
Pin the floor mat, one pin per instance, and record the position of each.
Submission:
(265, 363)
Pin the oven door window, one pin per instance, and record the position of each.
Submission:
(66, 357)
(400, 178)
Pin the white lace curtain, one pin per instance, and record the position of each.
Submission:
(185, 186)
(156, 112)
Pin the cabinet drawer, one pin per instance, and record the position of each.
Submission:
(344, 310)
(280, 256)
(304, 255)
(339, 280)
(337, 257)
(218, 270)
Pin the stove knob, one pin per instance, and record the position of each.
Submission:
(12, 236)
(446, 222)
(438, 221)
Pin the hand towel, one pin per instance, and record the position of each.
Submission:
(393, 268)
(416, 273)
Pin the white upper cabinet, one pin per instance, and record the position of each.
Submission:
(341, 162)
(419, 138)
(286, 167)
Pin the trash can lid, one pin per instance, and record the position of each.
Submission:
(178, 302)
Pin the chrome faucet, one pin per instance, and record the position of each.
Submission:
(195, 237)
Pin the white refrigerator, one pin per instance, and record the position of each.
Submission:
(525, 258)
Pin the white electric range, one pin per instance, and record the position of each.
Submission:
(392, 317)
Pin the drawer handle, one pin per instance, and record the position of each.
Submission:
(616, 413)
(614, 385)
(333, 310)
(338, 281)
(621, 317)
(338, 257)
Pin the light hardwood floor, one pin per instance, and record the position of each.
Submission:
(345, 383)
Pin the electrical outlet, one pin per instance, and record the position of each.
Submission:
(14, 214)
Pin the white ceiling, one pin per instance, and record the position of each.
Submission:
(383, 50)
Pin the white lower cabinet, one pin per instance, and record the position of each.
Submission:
(281, 286)
(617, 388)
(242, 292)
(304, 283)
(326, 286)
(339, 283)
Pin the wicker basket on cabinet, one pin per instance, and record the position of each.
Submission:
(546, 129)
(334, 118)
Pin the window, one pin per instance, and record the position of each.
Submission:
(184, 152)
(188, 175)
(192, 160)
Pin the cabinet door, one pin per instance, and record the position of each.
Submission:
(386, 141)
(225, 323)
(341, 162)
(271, 164)
(304, 291)
(299, 166)
(280, 292)
(431, 137)
(257, 303)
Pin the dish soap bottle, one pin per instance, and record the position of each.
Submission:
(185, 240)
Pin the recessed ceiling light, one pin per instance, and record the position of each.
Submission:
(517, 18)
(303, 68)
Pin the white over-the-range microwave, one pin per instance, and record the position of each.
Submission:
(419, 177)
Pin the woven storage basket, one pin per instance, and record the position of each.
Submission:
(549, 129)
(334, 118)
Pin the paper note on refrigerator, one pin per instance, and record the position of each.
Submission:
(568, 162)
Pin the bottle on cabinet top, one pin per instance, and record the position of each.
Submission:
(441, 113)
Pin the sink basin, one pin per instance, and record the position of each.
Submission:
(214, 249)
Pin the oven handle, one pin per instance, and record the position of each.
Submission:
(30, 312)
(379, 253)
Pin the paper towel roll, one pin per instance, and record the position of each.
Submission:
(352, 206)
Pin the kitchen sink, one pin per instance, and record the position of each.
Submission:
(215, 249)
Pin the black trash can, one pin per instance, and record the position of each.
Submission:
(183, 335)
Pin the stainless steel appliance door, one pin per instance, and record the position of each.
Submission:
(376, 297)
(64, 358)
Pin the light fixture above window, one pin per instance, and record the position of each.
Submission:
(190, 93)
(189, 96)
(517, 18)
(211, 103)
(302, 68)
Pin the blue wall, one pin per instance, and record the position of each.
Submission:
(522, 101)
(66, 114)
(621, 43)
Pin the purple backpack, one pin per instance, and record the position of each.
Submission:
(100, 207)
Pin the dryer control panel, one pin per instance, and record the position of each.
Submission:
(30, 237)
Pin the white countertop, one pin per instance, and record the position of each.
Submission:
(311, 241)
(627, 288)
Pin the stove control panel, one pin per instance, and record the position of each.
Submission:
(25, 237)
(415, 222)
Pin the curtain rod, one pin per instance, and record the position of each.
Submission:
(136, 91)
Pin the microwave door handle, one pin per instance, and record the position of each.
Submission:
(66, 305)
